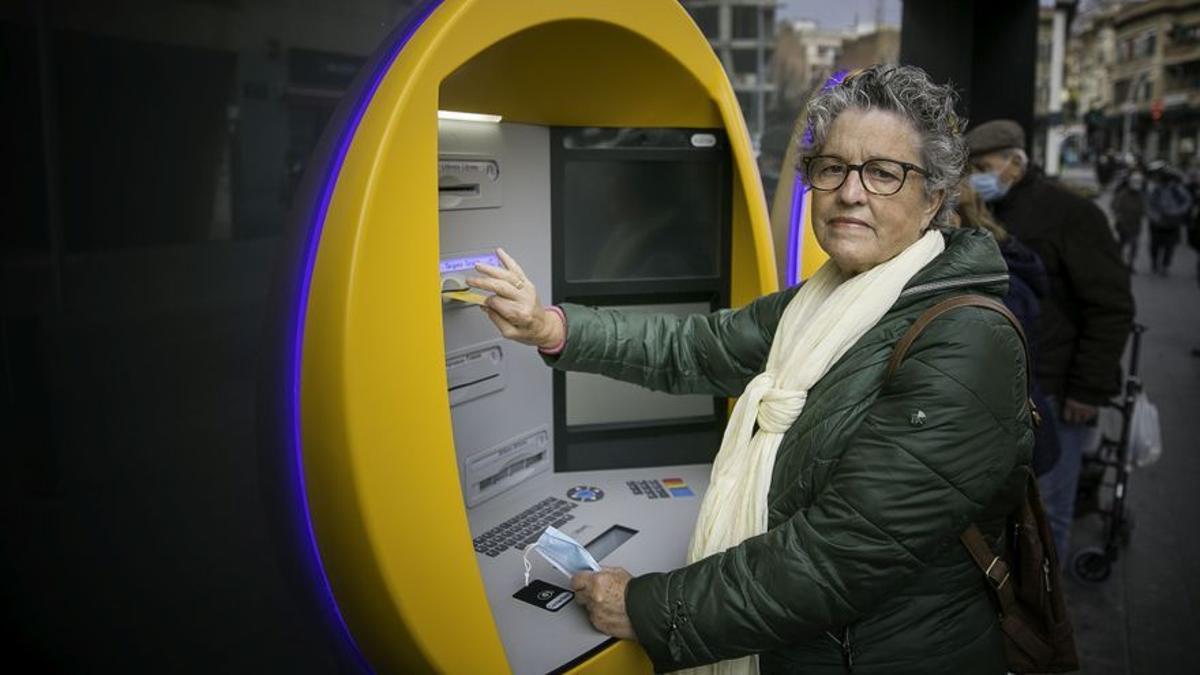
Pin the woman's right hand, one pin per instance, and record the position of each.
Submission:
(515, 308)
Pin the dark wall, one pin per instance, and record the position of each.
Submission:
(987, 49)
(153, 150)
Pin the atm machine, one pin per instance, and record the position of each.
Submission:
(636, 218)
(409, 452)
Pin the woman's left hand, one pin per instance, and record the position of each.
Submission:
(603, 594)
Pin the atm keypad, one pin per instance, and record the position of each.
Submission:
(525, 528)
(652, 489)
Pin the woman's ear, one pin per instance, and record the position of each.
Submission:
(931, 209)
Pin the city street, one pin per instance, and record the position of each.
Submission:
(1143, 618)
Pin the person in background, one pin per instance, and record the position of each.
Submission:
(1088, 312)
(1168, 206)
(1027, 286)
(1129, 207)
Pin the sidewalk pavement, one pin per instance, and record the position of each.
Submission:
(1144, 619)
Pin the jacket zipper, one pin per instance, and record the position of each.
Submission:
(976, 280)
(847, 648)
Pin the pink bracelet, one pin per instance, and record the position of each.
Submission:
(556, 349)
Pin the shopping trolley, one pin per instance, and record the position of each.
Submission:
(1104, 479)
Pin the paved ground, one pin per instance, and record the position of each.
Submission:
(1146, 617)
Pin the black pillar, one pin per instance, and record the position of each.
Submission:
(988, 50)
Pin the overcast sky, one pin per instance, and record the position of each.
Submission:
(841, 13)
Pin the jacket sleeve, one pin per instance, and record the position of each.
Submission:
(900, 492)
(714, 353)
(1100, 284)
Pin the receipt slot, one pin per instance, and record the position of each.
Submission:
(373, 489)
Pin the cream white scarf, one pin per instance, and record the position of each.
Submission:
(824, 319)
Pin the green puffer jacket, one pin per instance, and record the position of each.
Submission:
(861, 569)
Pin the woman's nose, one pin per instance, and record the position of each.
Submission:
(852, 191)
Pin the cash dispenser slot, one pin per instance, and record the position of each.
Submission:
(475, 372)
(496, 469)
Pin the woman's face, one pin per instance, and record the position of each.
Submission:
(856, 228)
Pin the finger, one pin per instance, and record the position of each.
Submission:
(506, 329)
(497, 286)
(510, 263)
(581, 580)
(499, 273)
(515, 313)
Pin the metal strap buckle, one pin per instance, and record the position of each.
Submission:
(988, 574)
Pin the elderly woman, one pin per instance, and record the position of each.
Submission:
(828, 538)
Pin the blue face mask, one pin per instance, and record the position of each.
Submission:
(564, 553)
(988, 186)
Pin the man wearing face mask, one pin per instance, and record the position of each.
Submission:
(1088, 312)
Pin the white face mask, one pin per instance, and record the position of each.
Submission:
(564, 553)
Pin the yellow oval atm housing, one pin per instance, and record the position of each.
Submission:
(385, 503)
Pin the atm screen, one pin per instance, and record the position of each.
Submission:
(640, 220)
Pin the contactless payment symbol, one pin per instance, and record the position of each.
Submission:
(585, 493)
(678, 487)
(544, 595)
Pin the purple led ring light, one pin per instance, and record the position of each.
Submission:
(403, 34)
(796, 217)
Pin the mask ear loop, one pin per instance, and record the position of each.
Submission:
(525, 559)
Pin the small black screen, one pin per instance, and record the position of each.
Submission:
(632, 219)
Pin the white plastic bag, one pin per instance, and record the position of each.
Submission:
(1145, 434)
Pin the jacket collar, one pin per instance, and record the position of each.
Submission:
(971, 263)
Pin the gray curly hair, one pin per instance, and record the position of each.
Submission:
(908, 91)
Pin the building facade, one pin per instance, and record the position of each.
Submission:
(1138, 81)
(742, 32)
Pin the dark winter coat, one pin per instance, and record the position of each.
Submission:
(871, 487)
(1129, 207)
(1088, 312)
(1027, 286)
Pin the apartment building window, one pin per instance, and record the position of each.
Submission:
(706, 19)
(745, 61)
(1144, 46)
(1183, 76)
(1044, 52)
(745, 22)
(1185, 35)
(1121, 90)
(1145, 89)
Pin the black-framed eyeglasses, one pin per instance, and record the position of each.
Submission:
(882, 177)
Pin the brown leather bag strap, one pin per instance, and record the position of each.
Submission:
(993, 566)
(941, 308)
(1012, 622)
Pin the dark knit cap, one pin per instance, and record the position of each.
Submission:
(995, 135)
